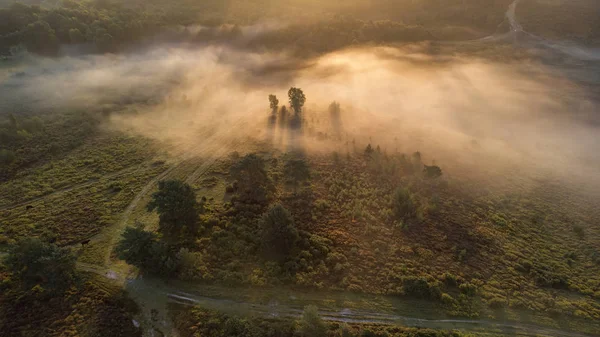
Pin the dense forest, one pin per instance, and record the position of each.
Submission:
(105, 26)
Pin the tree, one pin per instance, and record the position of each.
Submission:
(104, 41)
(369, 152)
(311, 324)
(403, 204)
(417, 161)
(39, 37)
(432, 172)
(297, 99)
(75, 36)
(175, 202)
(143, 250)
(335, 116)
(135, 247)
(279, 233)
(274, 104)
(37, 263)
(251, 176)
(283, 112)
(296, 171)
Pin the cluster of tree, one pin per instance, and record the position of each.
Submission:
(110, 25)
(41, 268)
(157, 253)
(251, 180)
(297, 99)
(43, 30)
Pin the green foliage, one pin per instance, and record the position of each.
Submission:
(273, 103)
(76, 36)
(39, 264)
(432, 172)
(279, 233)
(7, 157)
(297, 99)
(135, 247)
(143, 250)
(421, 288)
(403, 204)
(251, 177)
(296, 171)
(311, 324)
(175, 202)
(40, 38)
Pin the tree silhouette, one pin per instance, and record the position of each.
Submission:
(296, 171)
(278, 232)
(36, 263)
(297, 99)
(175, 202)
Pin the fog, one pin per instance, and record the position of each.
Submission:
(467, 113)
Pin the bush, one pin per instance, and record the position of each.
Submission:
(403, 204)
(311, 324)
(468, 289)
(496, 303)
(420, 288)
(7, 157)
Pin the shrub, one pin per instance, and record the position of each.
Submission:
(311, 324)
(496, 303)
(403, 204)
(420, 288)
(468, 289)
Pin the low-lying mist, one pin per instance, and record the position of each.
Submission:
(463, 112)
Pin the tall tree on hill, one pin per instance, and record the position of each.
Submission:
(175, 202)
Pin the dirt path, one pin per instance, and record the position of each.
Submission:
(155, 295)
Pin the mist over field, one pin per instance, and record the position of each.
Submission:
(456, 107)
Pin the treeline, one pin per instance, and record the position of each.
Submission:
(107, 26)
